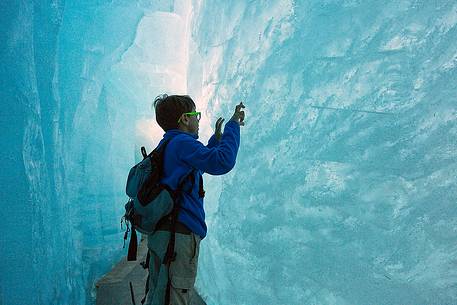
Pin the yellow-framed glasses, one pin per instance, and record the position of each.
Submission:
(197, 113)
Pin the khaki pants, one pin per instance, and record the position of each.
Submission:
(183, 270)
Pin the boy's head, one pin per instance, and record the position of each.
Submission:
(170, 113)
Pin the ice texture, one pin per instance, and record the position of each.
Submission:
(344, 190)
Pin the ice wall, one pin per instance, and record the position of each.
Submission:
(344, 190)
(78, 80)
(34, 261)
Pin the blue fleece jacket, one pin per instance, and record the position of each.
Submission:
(184, 153)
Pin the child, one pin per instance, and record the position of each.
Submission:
(177, 116)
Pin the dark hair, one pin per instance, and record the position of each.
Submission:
(169, 108)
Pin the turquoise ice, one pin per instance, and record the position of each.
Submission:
(344, 190)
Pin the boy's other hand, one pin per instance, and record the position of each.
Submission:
(218, 132)
(238, 116)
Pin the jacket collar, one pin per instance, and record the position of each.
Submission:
(171, 133)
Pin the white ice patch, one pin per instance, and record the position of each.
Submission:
(398, 42)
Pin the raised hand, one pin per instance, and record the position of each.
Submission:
(218, 132)
(238, 116)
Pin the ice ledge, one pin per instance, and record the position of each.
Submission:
(114, 288)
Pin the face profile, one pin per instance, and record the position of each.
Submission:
(189, 121)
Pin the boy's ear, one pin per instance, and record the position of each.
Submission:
(184, 120)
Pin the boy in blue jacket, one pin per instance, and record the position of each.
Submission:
(184, 155)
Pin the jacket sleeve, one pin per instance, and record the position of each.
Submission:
(216, 160)
(212, 142)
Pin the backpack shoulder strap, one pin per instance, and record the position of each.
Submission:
(160, 149)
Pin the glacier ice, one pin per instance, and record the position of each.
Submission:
(344, 189)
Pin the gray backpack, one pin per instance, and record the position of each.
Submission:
(149, 200)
